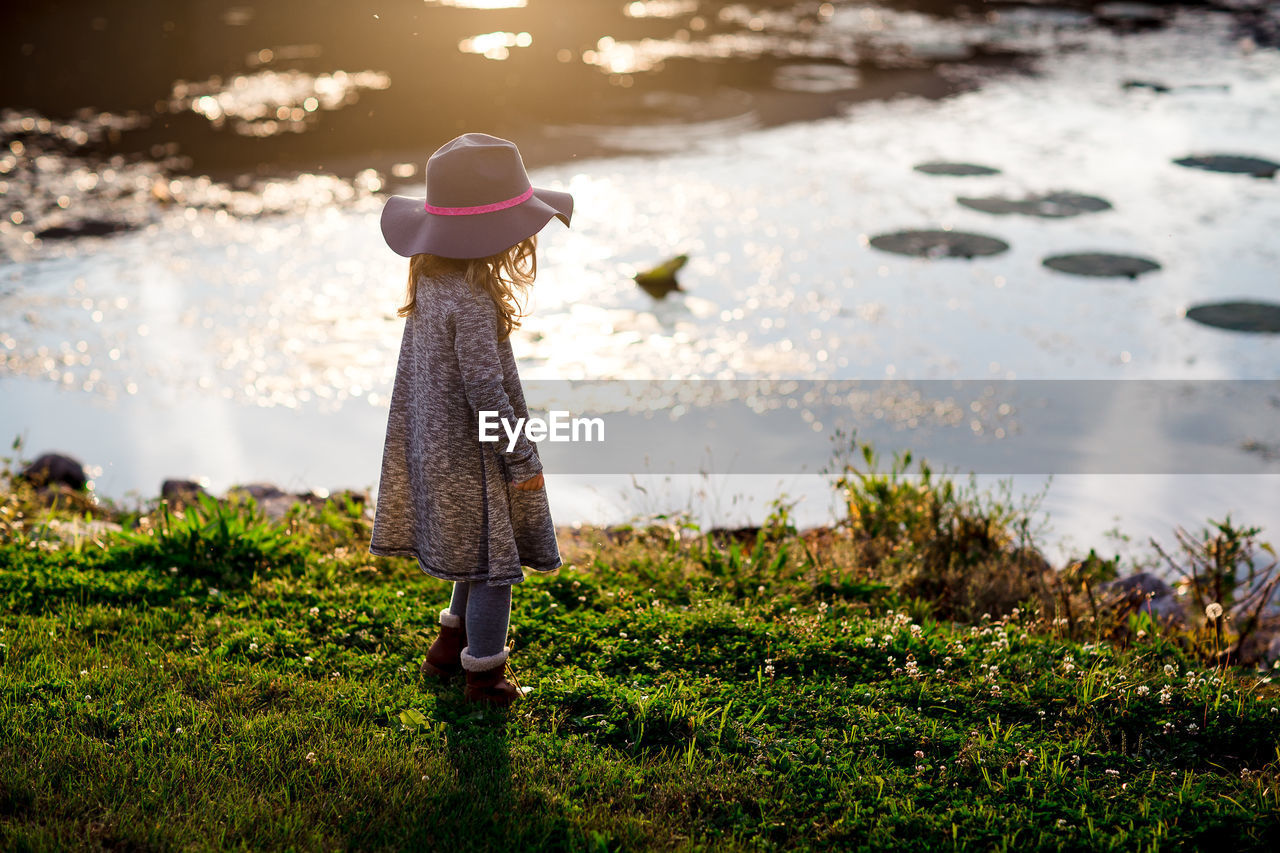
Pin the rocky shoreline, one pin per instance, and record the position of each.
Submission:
(1132, 603)
(58, 476)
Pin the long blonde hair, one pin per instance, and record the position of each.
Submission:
(504, 277)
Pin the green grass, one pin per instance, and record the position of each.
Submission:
(688, 692)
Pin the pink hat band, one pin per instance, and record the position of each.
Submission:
(479, 208)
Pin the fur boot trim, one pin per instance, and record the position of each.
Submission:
(450, 620)
(475, 664)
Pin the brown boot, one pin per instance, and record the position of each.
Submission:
(444, 658)
(485, 679)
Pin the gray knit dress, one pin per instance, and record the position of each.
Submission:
(444, 496)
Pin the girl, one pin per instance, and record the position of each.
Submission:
(471, 512)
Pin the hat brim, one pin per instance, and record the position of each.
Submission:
(410, 230)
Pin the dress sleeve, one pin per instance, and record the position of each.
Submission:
(475, 342)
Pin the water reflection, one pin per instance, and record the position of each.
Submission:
(495, 45)
(481, 4)
(269, 102)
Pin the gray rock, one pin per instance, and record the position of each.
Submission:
(181, 491)
(1272, 654)
(357, 497)
(257, 491)
(1144, 592)
(277, 507)
(51, 469)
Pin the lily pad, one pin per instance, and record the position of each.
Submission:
(83, 228)
(957, 170)
(1048, 206)
(1131, 15)
(1101, 265)
(939, 244)
(1239, 316)
(1158, 88)
(1232, 163)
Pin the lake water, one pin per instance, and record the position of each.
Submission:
(240, 325)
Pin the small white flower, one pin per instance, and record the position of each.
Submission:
(1062, 822)
(919, 753)
(622, 634)
(87, 697)
(1213, 611)
(311, 757)
(1113, 772)
(1193, 728)
(253, 647)
(178, 730)
(315, 611)
(399, 593)
(173, 570)
(1143, 690)
(1170, 670)
(308, 659)
(84, 672)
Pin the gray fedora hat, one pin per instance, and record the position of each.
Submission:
(479, 202)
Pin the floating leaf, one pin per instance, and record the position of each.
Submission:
(1240, 316)
(661, 280)
(1049, 205)
(1232, 164)
(1101, 265)
(939, 244)
(956, 170)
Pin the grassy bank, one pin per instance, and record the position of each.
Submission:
(215, 680)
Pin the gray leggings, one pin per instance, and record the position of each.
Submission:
(486, 610)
